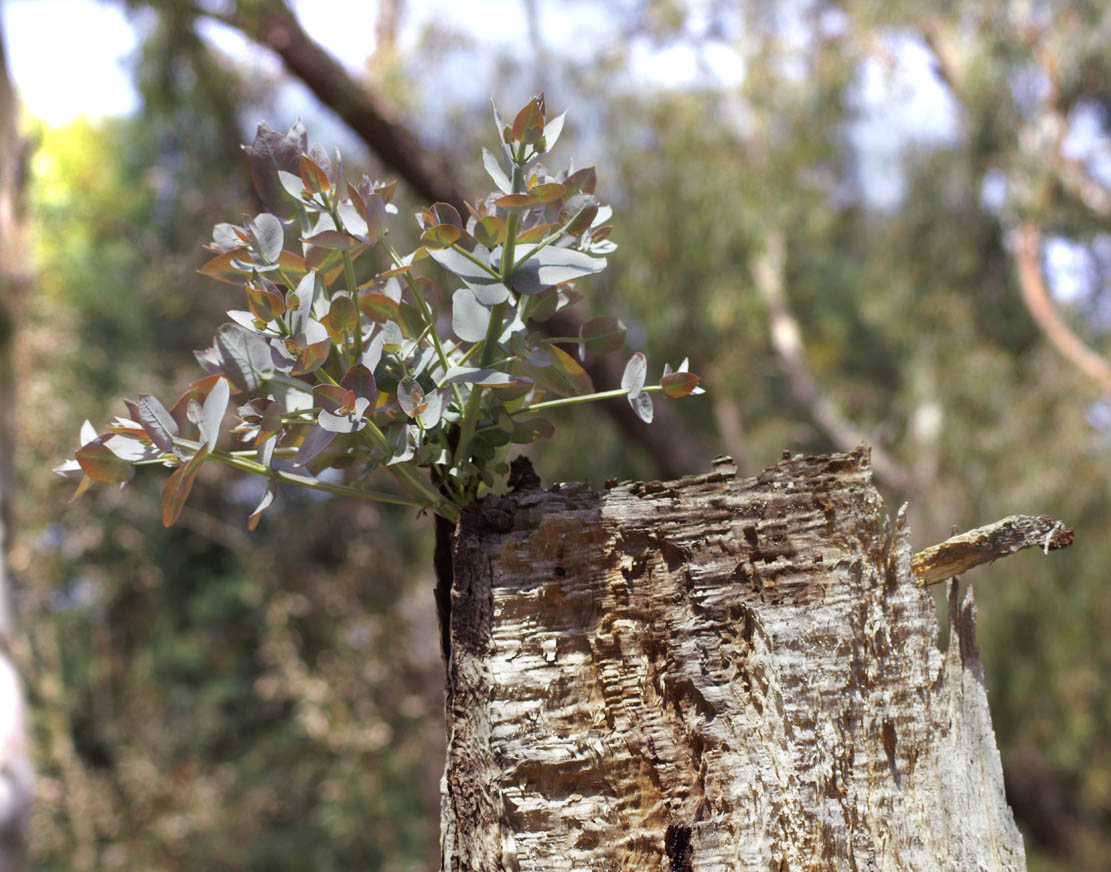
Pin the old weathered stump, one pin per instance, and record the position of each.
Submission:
(714, 673)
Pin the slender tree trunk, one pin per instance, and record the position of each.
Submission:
(15, 764)
(714, 673)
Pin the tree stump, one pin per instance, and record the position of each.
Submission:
(714, 673)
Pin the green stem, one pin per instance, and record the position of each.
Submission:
(584, 398)
(497, 315)
(475, 260)
(235, 461)
(349, 272)
(549, 239)
(426, 314)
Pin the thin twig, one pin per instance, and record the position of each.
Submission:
(787, 340)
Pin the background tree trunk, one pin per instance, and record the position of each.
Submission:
(713, 673)
(15, 763)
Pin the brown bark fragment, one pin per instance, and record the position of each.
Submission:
(714, 673)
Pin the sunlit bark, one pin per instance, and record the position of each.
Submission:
(714, 673)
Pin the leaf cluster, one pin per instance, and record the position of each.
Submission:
(387, 373)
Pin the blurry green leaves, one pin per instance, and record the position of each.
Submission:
(328, 374)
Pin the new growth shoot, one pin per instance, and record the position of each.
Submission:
(377, 376)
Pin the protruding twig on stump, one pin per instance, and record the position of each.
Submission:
(985, 544)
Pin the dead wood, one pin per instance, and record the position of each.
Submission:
(984, 544)
(713, 673)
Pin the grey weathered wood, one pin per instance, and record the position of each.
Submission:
(714, 673)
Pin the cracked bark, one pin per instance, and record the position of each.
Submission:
(713, 673)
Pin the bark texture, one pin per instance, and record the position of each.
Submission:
(714, 673)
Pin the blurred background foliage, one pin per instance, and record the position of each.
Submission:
(857, 173)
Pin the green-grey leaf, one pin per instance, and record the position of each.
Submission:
(487, 287)
(494, 170)
(469, 318)
(269, 235)
(315, 441)
(160, 427)
(212, 413)
(245, 356)
(632, 380)
(642, 405)
(553, 266)
(264, 503)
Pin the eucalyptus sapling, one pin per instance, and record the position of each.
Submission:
(324, 370)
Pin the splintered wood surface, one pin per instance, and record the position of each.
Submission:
(716, 673)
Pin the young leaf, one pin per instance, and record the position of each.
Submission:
(485, 283)
(315, 344)
(264, 300)
(632, 380)
(264, 504)
(244, 356)
(441, 235)
(642, 405)
(270, 152)
(100, 463)
(293, 185)
(378, 307)
(679, 384)
(410, 397)
(514, 201)
(548, 192)
(392, 337)
(528, 430)
(553, 266)
(352, 217)
(212, 413)
(562, 376)
(494, 170)
(269, 236)
(177, 487)
(307, 290)
(552, 130)
(343, 422)
(528, 126)
(483, 377)
(160, 427)
(433, 410)
(315, 441)
(343, 312)
(490, 231)
(331, 239)
(313, 175)
(360, 381)
(470, 319)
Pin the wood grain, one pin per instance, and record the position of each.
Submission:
(715, 673)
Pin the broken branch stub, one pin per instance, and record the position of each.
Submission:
(985, 544)
(713, 673)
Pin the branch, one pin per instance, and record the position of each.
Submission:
(1027, 243)
(984, 544)
(273, 25)
(787, 341)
